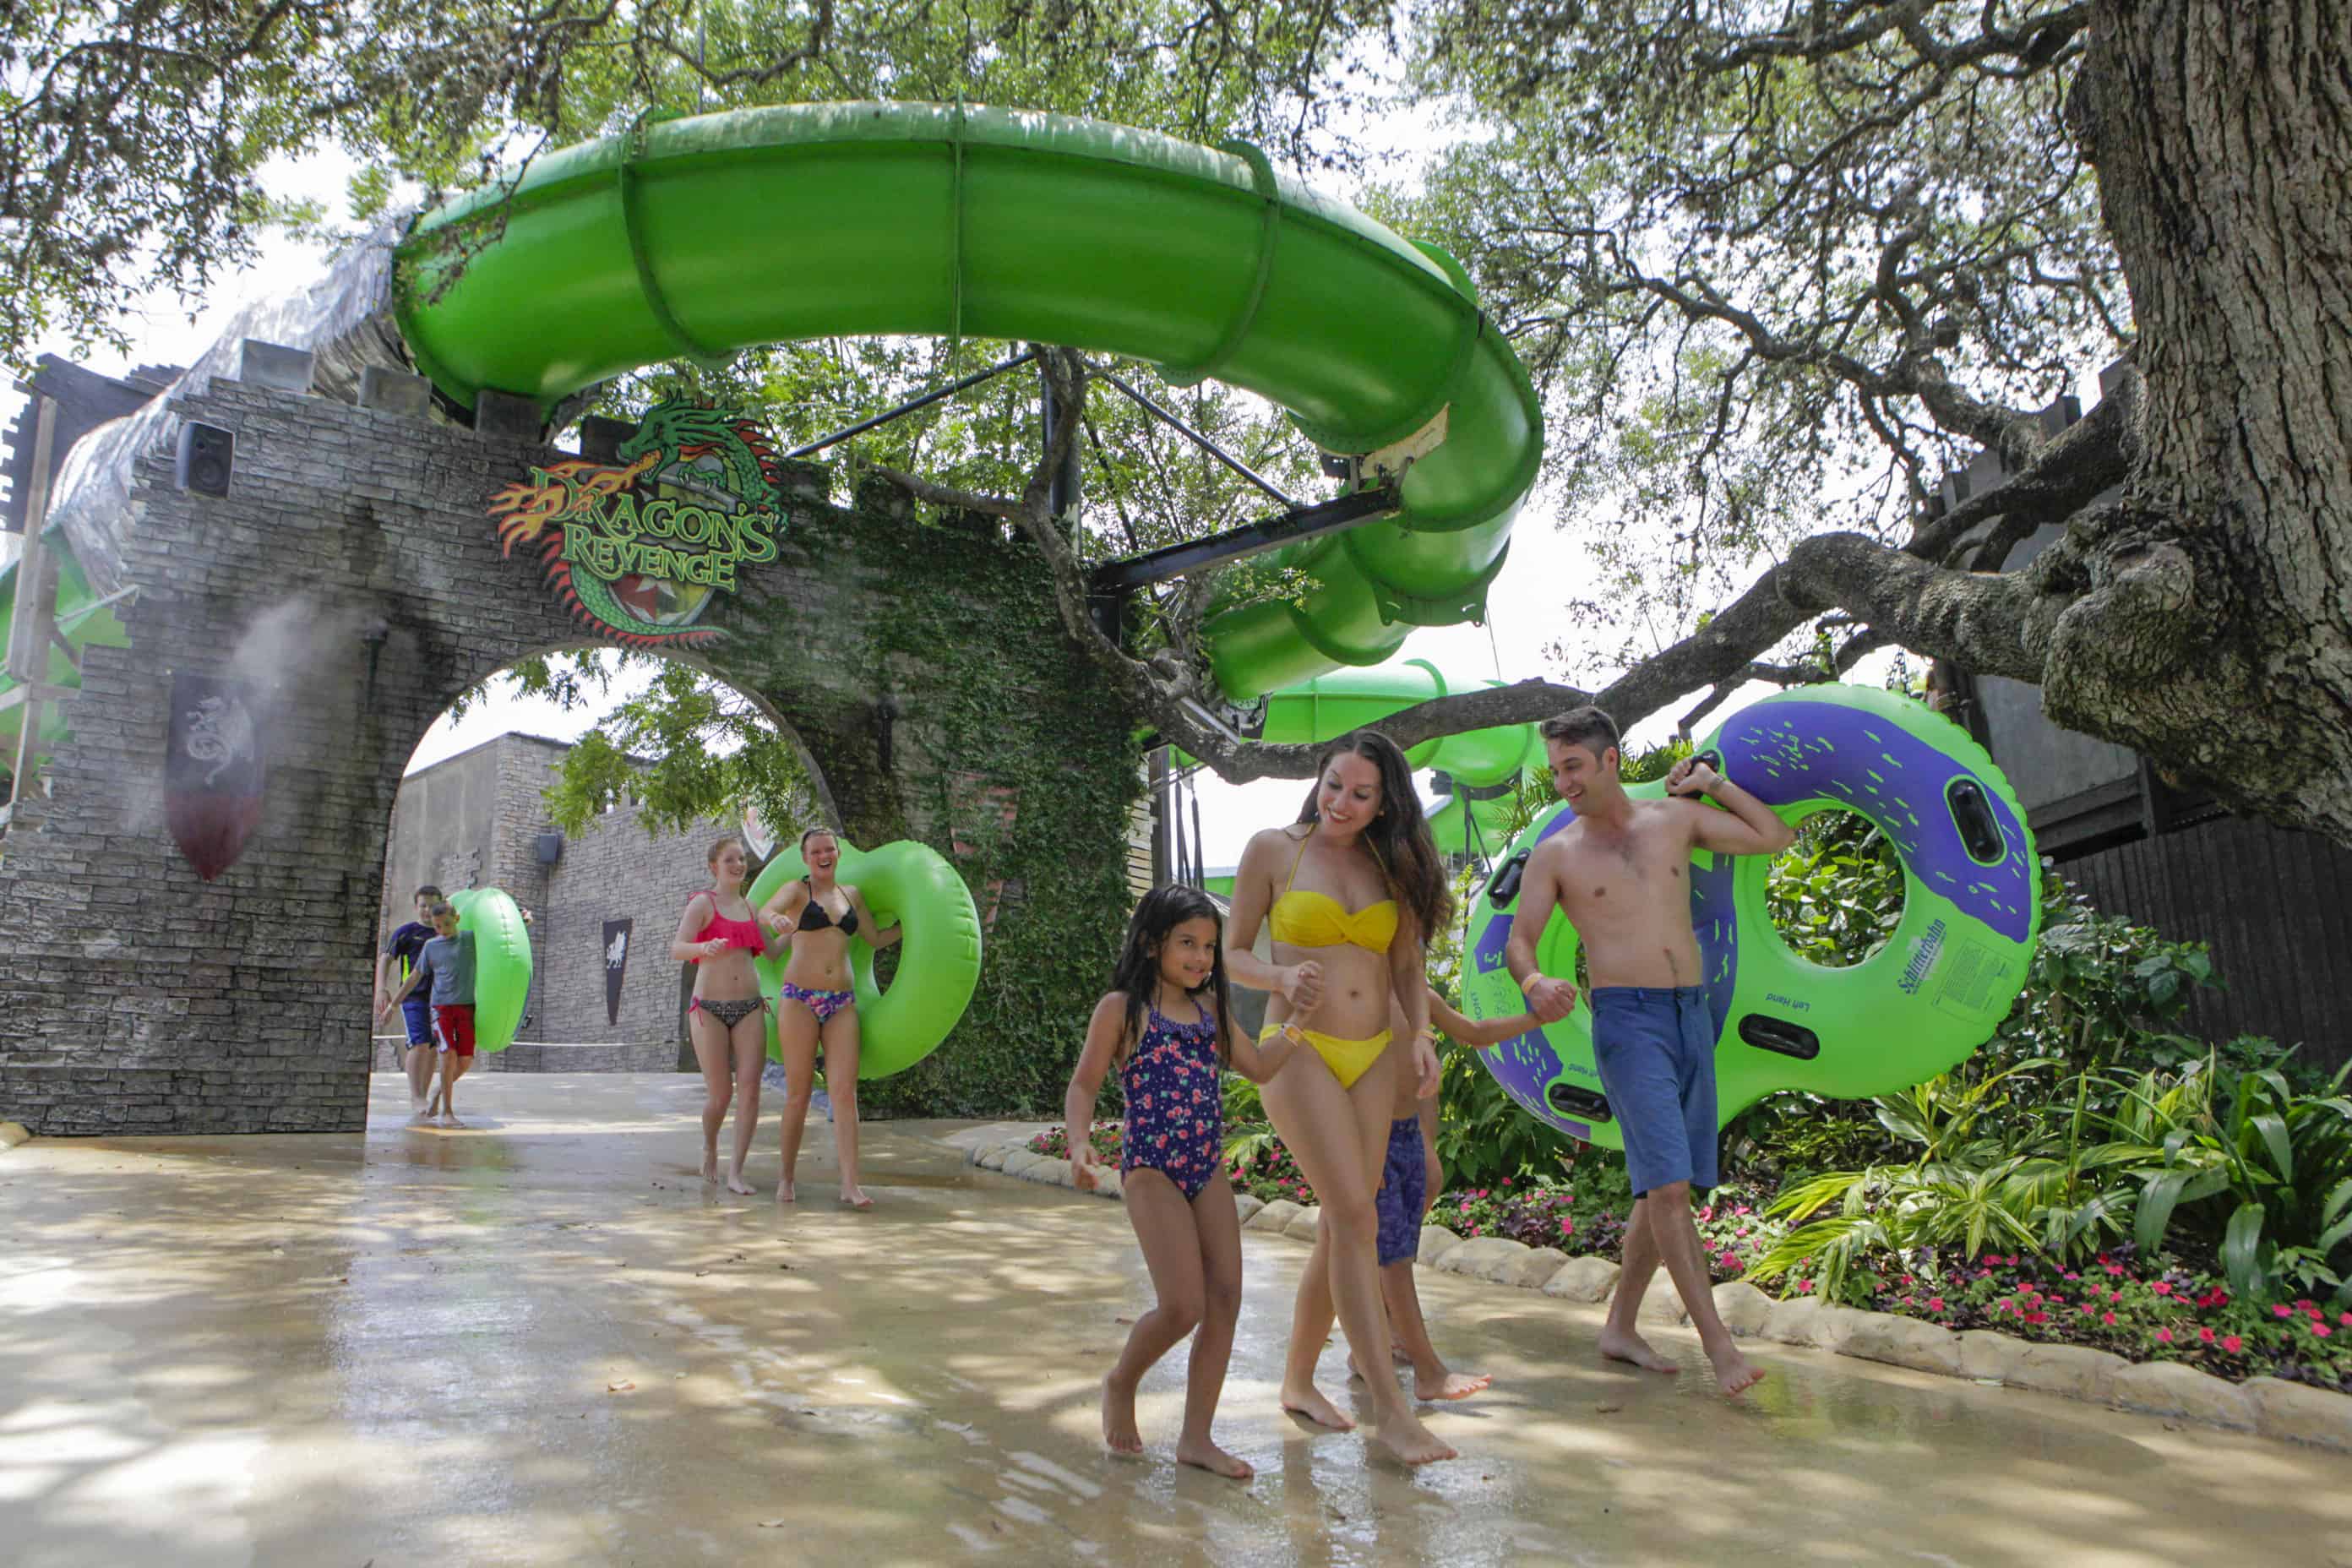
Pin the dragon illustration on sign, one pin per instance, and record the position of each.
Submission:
(641, 551)
(219, 731)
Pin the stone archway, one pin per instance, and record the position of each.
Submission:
(352, 578)
(477, 815)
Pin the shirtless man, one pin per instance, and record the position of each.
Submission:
(1620, 873)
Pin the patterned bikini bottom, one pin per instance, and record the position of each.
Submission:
(824, 1004)
(728, 1013)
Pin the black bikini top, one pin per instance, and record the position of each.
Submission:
(816, 917)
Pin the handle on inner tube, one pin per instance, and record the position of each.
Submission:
(1713, 759)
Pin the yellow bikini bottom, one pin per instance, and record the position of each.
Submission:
(1348, 1059)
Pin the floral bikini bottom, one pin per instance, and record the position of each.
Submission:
(824, 1004)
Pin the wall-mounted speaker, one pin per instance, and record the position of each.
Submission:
(206, 455)
(550, 847)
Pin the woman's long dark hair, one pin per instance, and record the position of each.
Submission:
(1399, 835)
(1162, 911)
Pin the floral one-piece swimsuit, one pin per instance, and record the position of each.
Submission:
(1175, 1103)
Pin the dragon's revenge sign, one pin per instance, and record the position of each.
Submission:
(641, 551)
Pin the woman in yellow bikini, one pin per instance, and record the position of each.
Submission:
(1350, 892)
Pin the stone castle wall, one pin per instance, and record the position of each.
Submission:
(352, 583)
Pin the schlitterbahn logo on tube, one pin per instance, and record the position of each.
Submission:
(640, 551)
(1924, 953)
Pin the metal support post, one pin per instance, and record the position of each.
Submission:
(1136, 572)
(912, 404)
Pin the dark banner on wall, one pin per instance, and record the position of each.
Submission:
(617, 963)
(214, 773)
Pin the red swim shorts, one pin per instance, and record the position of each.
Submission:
(453, 1028)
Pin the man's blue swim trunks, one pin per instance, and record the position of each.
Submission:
(1655, 1049)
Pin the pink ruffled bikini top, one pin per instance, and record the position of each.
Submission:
(745, 934)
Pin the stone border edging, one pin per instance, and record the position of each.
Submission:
(2269, 1406)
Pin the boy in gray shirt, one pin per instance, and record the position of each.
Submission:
(447, 964)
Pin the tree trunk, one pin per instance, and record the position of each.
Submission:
(2206, 617)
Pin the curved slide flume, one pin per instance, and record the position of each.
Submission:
(694, 237)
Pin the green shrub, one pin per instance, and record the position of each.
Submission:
(1836, 895)
(1580, 1219)
(2244, 1161)
(1793, 1136)
(2241, 1165)
(1483, 1136)
(2101, 990)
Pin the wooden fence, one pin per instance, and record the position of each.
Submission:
(2275, 907)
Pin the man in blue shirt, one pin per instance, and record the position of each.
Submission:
(395, 965)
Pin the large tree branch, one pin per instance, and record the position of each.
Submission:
(2092, 454)
(950, 495)
(2035, 41)
(1995, 624)
(1992, 623)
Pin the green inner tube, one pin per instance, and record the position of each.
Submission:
(905, 884)
(501, 964)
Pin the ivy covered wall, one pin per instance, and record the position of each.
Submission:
(920, 662)
(1011, 757)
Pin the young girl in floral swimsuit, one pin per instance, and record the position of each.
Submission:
(1166, 1026)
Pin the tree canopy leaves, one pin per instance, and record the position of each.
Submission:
(134, 134)
(1776, 267)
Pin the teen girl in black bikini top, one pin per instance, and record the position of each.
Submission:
(815, 916)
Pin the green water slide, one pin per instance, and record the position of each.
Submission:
(81, 620)
(693, 238)
(1328, 705)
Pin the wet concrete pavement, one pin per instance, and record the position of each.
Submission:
(542, 1340)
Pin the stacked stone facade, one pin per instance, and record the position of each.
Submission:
(351, 581)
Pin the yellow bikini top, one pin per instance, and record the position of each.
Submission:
(1305, 918)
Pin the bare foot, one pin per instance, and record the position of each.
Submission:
(1118, 1418)
(736, 1184)
(1308, 1404)
(1410, 1441)
(1733, 1373)
(1449, 1385)
(710, 1164)
(1628, 1346)
(1207, 1456)
(785, 1193)
(449, 1118)
(855, 1198)
(419, 1117)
